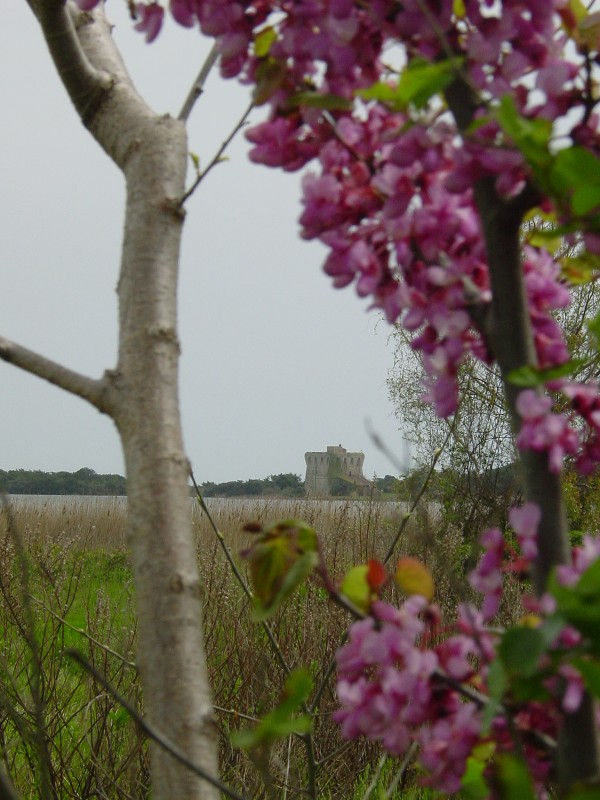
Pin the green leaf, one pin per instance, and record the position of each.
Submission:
(263, 41)
(195, 158)
(591, 792)
(581, 268)
(579, 605)
(575, 176)
(532, 136)
(590, 672)
(514, 779)
(270, 74)
(588, 584)
(419, 82)
(355, 586)
(530, 377)
(280, 559)
(585, 199)
(521, 649)
(593, 327)
(281, 722)
(497, 684)
(328, 102)
(473, 785)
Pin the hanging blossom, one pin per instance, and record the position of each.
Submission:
(390, 193)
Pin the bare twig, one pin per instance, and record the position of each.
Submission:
(412, 751)
(218, 155)
(198, 86)
(436, 457)
(85, 634)
(150, 731)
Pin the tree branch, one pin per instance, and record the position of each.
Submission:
(90, 389)
(85, 84)
(198, 85)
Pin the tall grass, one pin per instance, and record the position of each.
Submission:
(80, 596)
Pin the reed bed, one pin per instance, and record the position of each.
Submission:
(78, 577)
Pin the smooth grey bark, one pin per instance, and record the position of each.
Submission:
(506, 327)
(141, 393)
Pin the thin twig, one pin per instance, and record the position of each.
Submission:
(373, 785)
(436, 456)
(150, 731)
(198, 85)
(90, 638)
(235, 713)
(412, 750)
(218, 155)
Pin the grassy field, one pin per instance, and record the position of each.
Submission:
(65, 584)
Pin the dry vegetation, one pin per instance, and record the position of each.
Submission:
(63, 735)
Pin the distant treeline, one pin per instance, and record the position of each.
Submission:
(285, 485)
(87, 482)
(84, 481)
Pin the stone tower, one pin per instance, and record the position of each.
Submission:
(323, 468)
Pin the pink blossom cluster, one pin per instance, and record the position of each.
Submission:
(399, 684)
(389, 690)
(543, 430)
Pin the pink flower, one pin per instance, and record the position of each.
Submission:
(544, 431)
(524, 522)
(184, 12)
(150, 20)
(487, 575)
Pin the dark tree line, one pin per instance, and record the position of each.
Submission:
(85, 481)
(284, 485)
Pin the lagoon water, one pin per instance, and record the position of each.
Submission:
(291, 507)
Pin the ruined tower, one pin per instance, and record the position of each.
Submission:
(337, 465)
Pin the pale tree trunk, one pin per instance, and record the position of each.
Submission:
(141, 393)
(507, 328)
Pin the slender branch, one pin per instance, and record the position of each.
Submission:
(198, 85)
(423, 489)
(150, 731)
(90, 389)
(85, 84)
(410, 754)
(85, 634)
(218, 157)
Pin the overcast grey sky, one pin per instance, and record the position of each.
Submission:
(275, 361)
